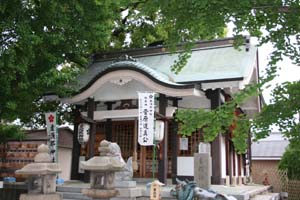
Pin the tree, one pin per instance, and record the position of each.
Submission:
(290, 161)
(282, 112)
(37, 36)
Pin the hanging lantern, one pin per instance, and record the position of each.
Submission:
(83, 133)
(159, 129)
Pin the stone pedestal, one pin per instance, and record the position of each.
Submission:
(41, 197)
(202, 170)
(127, 190)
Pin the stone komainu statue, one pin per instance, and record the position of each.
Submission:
(127, 173)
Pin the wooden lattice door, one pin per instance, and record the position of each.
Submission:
(123, 134)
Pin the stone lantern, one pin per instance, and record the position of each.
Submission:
(103, 170)
(41, 177)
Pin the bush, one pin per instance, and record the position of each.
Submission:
(290, 160)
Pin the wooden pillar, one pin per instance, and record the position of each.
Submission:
(214, 96)
(91, 107)
(90, 114)
(234, 162)
(76, 147)
(174, 147)
(108, 123)
(163, 158)
(249, 153)
(239, 160)
(243, 164)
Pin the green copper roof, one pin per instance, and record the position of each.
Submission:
(205, 65)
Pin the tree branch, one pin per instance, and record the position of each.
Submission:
(280, 9)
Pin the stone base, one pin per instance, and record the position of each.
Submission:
(100, 193)
(125, 184)
(128, 193)
(41, 197)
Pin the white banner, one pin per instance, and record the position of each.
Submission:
(52, 135)
(146, 118)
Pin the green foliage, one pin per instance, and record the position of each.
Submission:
(38, 36)
(280, 21)
(8, 132)
(290, 160)
(281, 112)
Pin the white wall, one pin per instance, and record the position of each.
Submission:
(223, 157)
(236, 164)
(185, 166)
(65, 161)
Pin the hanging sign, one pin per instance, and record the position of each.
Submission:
(83, 133)
(184, 143)
(159, 129)
(146, 118)
(52, 135)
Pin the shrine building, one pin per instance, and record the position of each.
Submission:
(107, 99)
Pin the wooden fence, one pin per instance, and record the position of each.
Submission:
(15, 155)
(292, 187)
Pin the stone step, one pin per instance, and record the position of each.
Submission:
(71, 189)
(268, 196)
(74, 196)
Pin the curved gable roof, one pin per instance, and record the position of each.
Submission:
(97, 70)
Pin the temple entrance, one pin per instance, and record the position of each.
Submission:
(123, 133)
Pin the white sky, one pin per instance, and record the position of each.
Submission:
(287, 72)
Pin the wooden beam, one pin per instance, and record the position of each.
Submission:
(163, 159)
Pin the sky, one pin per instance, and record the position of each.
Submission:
(287, 72)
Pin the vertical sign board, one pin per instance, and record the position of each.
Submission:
(52, 135)
(146, 118)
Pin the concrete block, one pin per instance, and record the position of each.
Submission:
(233, 181)
(202, 170)
(240, 180)
(227, 181)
